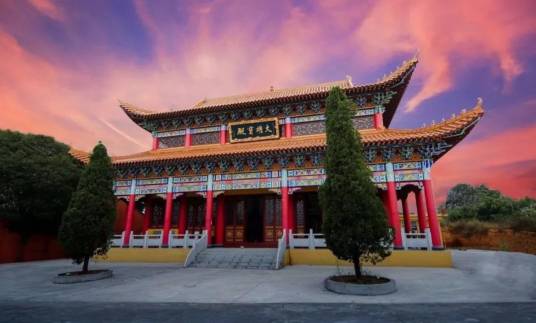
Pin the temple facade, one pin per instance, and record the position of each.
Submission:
(244, 169)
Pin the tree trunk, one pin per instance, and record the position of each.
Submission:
(86, 263)
(357, 265)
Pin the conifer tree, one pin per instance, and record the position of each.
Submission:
(87, 225)
(355, 223)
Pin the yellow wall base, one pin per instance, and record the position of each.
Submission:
(398, 258)
(163, 255)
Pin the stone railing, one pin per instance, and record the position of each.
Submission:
(306, 240)
(417, 240)
(154, 239)
(198, 246)
(281, 249)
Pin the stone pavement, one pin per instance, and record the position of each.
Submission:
(479, 277)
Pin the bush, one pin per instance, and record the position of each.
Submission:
(522, 223)
(469, 228)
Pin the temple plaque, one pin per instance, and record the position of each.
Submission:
(253, 130)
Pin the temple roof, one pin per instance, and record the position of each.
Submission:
(451, 131)
(398, 78)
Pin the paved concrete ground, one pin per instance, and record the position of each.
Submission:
(479, 277)
(257, 313)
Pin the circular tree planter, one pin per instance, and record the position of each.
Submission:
(79, 277)
(366, 286)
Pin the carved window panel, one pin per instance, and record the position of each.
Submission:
(169, 142)
(308, 128)
(205, 138)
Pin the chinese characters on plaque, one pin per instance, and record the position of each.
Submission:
(254, 130)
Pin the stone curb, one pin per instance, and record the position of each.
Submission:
(82, 278)
(360, 289)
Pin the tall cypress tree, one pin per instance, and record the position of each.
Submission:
(355, 223)
(87, 225)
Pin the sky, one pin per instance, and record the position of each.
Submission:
(65, 64)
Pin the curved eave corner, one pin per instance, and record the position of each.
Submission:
(136, 114)
(469, 120)
(79, 155)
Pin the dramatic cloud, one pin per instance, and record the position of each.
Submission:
(449, 35)
(64, 65)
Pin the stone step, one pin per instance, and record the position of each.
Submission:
(236, 258)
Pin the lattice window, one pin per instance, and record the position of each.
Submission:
(168, 142)
(308, 128)
(205, 138)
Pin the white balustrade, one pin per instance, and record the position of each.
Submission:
(417, 240)
(309, 240)
(117, 240)
(185, 240)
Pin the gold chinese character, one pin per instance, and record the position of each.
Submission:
(240, 131)
(268, 129)
(250, 130)
(259, 129)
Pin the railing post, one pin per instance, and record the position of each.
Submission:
(290, 239)
(429, 243)
(311, 239)
(404, 239)
(145, 240)
(186, 240)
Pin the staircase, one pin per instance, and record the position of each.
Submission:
(239, 258)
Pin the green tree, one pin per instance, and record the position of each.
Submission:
(87, 225)
(37, 179)
(355, 223)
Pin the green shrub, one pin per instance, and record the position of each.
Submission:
(522, 223)
(469, 228)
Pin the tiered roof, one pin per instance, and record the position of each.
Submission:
(398, 79)
(451, 131)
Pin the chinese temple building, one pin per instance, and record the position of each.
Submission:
(245, 168)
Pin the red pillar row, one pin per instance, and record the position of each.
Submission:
(284, 208)
(183, 211)
(155, 143)
(394, 218)
(208, 216)
(223, 135)
(291, 214)
(433, 221)
(220, 220)
(129, 218)
(421, 213)
(288, 127)
(149, 207)
(405, 212)
(378, 120)
(187, 138)
(167, 218)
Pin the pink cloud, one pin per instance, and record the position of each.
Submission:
(48, 8)
(448, 35)
(504, 161)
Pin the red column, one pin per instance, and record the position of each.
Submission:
(288, 127)
(155, 143)
(405, 211)
(208, 216)
(167, 218)
(378, 120)
(220, 220)
(394, 218)
(435, 230)
(223, 134)
(284, 208)
(421, 215)
(183, 212)
(149, 206)
(129, 218)
(187, 138)
(291, 214)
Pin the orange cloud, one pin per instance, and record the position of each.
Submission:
(446, 32)
(505, 161)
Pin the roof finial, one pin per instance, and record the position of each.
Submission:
(416, 55)
(271, 88)
(464, 110)
(479, 102)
